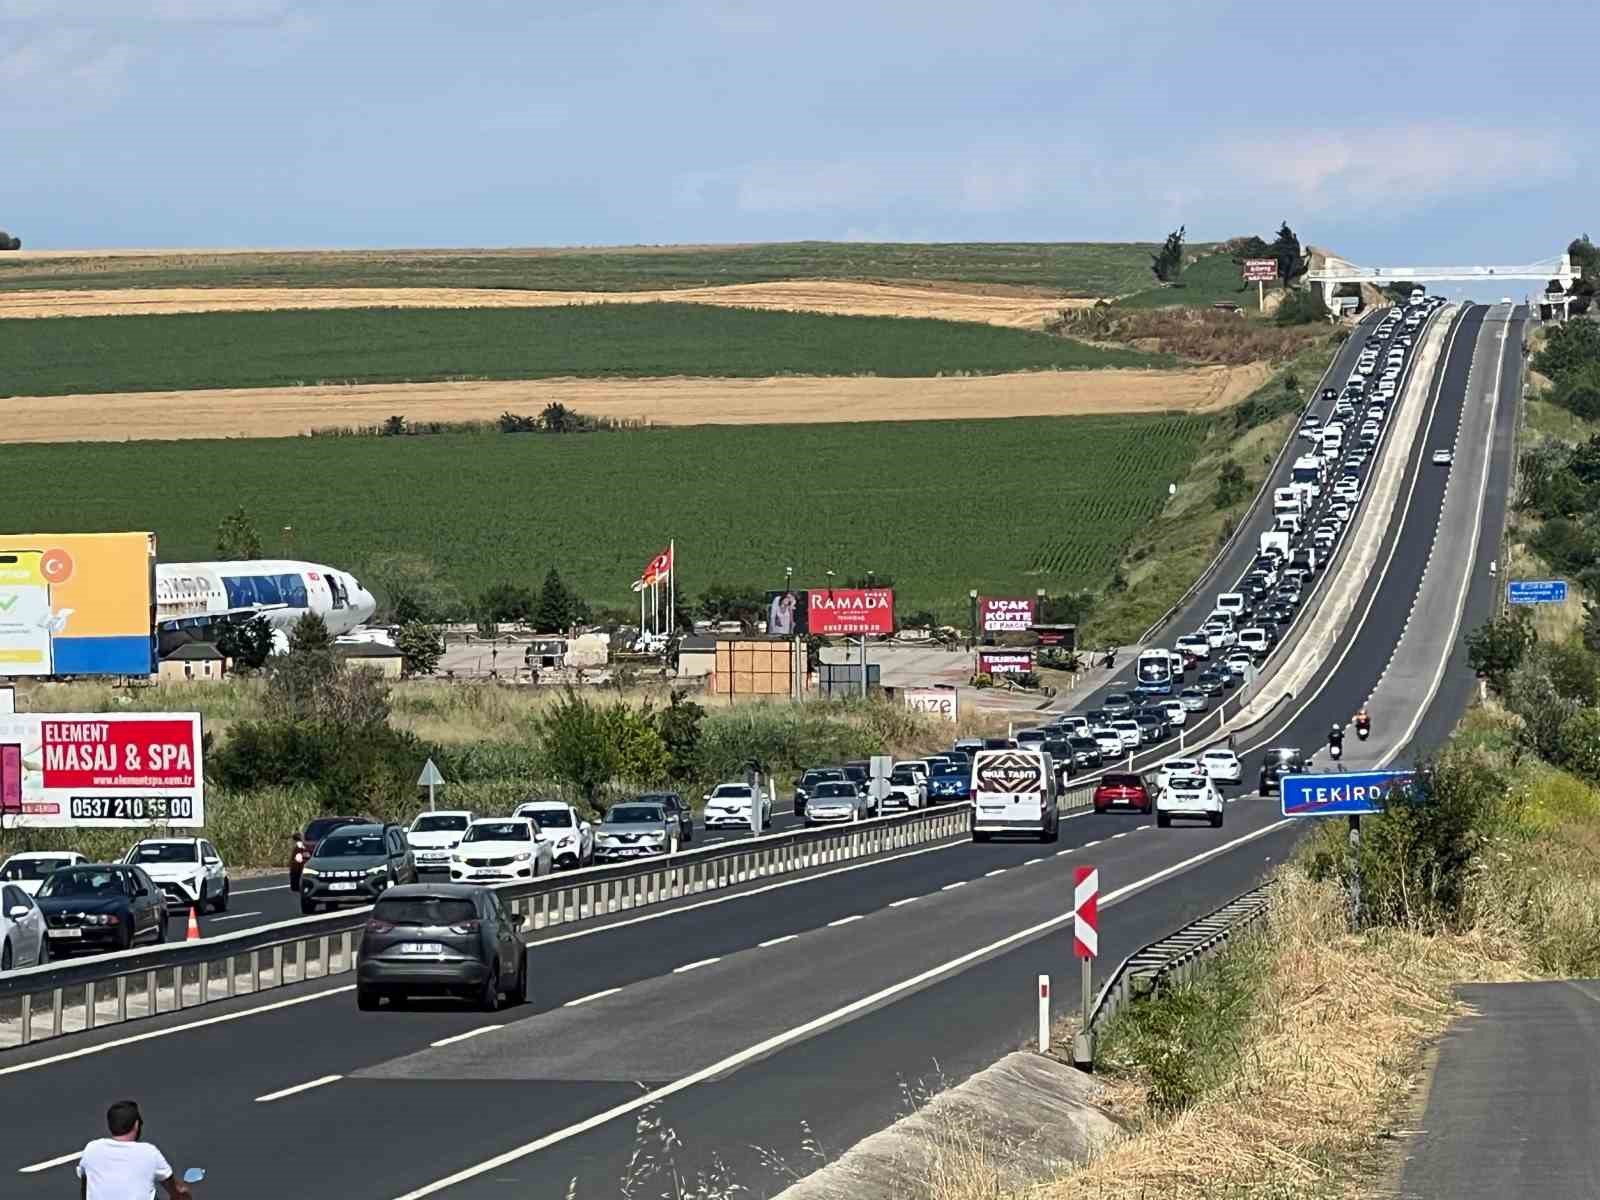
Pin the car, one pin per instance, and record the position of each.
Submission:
(448, 939)
(804, 785)
(305, 842)
(1175, 766)
(1278, 762)
(1109, 741)
(30, 868)
(908, 786)
(1152, 727)
(1031, 739)
(952, 781)
(1086, 753)
(1221, 633)
(98, 907)
(1221, 765)
(1130, 733)
(1118, 704)
(839, 802)
(1122, 790)
(1254, 641)
(633, 829)
(1189, 796)
(24, 938)
(1073, 724)
(1177, 714)
(433, 834)
(678, 812)
(571, 837)
(188, 870)
(1193, 700)
(1196, 644)
(1311, 428)
(728, 806)
(1341, 511)
(1240, 663)
(1442, 458)
(854, 772)
(1212, 681)
(355, 864)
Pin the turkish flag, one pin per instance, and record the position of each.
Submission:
(657, 568)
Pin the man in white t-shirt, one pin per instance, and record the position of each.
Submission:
(123, 1166)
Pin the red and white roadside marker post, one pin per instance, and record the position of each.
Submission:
(1044, 1014)
(1086, 944)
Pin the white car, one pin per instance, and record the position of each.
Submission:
(1196, 644)
(1442, 458)
(1177, 714)
(23, 940)
(728, 806)
(28, 869)
(907, 788)
(1128, 730)
(1108, 739)
(434, 834)
(1189, 796)
(1175, 766)
(841, 801)
(571, 838)
(1221, 765)
(1075, 726)
(188, 870)
(1218, 634)
(501, 849)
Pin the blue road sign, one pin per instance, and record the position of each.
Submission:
(1339, 795)
(1536, 591)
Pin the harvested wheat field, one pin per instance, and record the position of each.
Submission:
(278, 412)
(839, 298)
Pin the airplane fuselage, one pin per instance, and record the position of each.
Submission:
(188, 595)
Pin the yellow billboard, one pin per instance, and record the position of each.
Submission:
(77, 604)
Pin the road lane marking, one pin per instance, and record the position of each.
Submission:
(1086, 845)
(844, 921)
(1064, 853)
(949, 887)
(471, 1033)
(51, 1162)
(788, 1037)
(84, 1051)
(993, 873)
(907, 900)
(1144, 827)
(777, 941)
(301, 1087)
(591, 996)
(1123, 834)
(694, 966)
(277, 887)
(1031, 861)
(232, 917)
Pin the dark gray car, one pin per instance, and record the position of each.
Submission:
(449, 939)
(355, 864)
(676, 810)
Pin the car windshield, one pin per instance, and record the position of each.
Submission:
(731, 792)
(1081, 743)
(1117, 698)
(440, 823)
(902, 775)
(948, 770)
(350, 845)
(635, 814)
(837, 791)
(165, 852)
(549, 818)
(80, 882)
(1123, 781)
(323, 826)
(498, 831)
(1187, 782)
(432, 911)
(822, 776)
(29, 868)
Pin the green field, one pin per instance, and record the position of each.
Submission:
(942, 506)
(1058, 268)
(1214, 277)
(66, 355)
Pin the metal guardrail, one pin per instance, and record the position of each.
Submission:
(38, 1003)
(1172, 958)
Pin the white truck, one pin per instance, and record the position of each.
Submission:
(1287, 500)
(1275, 542)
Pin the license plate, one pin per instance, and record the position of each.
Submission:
(341, 887)
(421, 948)
(66, 933)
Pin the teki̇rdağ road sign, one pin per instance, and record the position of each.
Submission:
(1343, 795)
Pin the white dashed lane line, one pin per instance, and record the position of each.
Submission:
(844, 921)
(591, 996)
(778, 941)
(471, 1033)
(704, 962)
(297, 1088)
(907, 900)
(952, 886)
(993, 873)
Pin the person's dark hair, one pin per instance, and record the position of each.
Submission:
(121, 1117)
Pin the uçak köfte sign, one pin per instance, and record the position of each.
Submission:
(101, 769)
(831, 612)
(1005, 614)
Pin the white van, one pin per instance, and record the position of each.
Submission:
(1229, 603)
(1286, 499)
(1014, 791)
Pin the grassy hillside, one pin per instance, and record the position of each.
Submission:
(1214, 277)
(940, 506)
(1057, 268)
(64, 355)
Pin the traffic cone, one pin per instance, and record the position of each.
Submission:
(194, 925)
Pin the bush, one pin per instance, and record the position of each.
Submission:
(7, 242)
(1570, 348)
(1232, 486)
(341, 769)
(1303, 307)
(1496, 647)
(1578, 744)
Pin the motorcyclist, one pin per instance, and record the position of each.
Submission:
(1363, 723)
(1336, 738)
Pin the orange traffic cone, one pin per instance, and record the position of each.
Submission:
(194, 926)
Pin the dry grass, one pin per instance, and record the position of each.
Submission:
(1195, 334)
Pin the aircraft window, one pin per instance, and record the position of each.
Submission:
(292, 588)
(267, 590)
(241, 591)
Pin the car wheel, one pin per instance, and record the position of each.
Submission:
(43, 956)
(979, 837)
(202, 904)
(307, 907)
(161, 927)
(1163, 821)
(1216, 820)
(367, 999)
(489, 994)
(1053, 834)
(5, 956)
(222, 900)
(519, 992)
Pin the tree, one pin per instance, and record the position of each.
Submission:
(1496, 648)
(299, 677)
(247, 643)
(1302, 307)
(1073, 608)
(678, 725)
(394, 426)
(923, 618)
(575, 745)
(1167, 263)
(237, 537)
(1286, 249)
(1586, 255)
(420, 648)
(558, 607)
(558, 418)
(730, 602)
(1569, 348)
(1591, 627)
(1232, 486)
(7, 242)
(353, 700)
(1578, 744)
(1579, 391)
(506, 602)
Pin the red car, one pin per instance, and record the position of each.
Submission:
(1123, 791)
(305, 842)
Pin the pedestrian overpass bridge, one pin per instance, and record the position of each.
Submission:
(1336, 271)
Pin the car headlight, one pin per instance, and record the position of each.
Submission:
(522, 856)
(376, 870)
(312, 871)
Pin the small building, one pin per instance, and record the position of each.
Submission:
(192, 661)
(697, 656)
(374, 656)
(758, 665)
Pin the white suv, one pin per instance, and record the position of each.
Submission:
(1189, 796)
(188, 870)
(729, 804)
(571, 837)
(433, 835)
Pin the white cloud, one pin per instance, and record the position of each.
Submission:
(1408, 166)
(63, 65)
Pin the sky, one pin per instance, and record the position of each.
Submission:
(1392, 133)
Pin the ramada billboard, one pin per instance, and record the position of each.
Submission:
(1005, 614)
(850, 612)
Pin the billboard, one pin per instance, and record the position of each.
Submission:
(1005, 614)
(77, 604)
(944, 703)
(101, 770)
(1005, 662)
(1260, 270)
(831, 612)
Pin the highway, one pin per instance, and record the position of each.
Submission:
(749, 1024)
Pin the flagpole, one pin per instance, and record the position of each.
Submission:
(641, 609)
(672, 584)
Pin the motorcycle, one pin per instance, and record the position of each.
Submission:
(1336, 751)
(1363, 732)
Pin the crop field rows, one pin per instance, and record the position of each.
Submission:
(941, 506)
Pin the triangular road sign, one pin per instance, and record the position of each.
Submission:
(430, 776)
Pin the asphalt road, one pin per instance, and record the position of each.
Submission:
(1512, 1108)
(810, 1008)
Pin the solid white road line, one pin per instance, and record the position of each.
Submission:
(471, 1033)
(777, 941)
(704, 962)
(591, 996)
(51, 1162)
(233, 917)
(993, 873)
(1123, 834)
(161, 1033)
(1086, 845)
(800, 1032)
(1031, 861)
(1064, 853)
(277, 887)
(907, 900)
(301, 1087)
(950, 887)
(844, 921)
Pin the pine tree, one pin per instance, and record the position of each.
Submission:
(237, 537)
(557, 608)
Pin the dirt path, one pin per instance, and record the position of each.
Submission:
(825, 296)
(278, 412)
